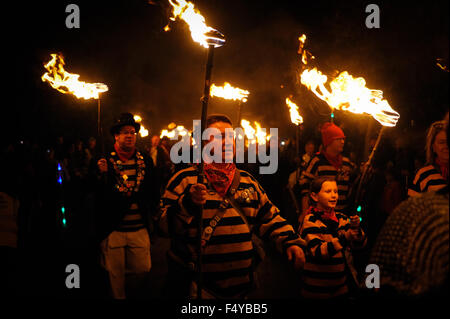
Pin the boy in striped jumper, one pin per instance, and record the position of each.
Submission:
(329, 238)
(330, 163)
(227, 249)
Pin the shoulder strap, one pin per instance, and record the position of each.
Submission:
(209, 230)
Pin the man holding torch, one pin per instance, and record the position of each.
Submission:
(234, 207)
(127, 196)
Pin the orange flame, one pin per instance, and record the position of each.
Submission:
(254, 135)
(142, 131)
(350, 94)
(66, 82)
(172, 129)
(187, 12)
(229, 93)
(304, 53)
(296, 118)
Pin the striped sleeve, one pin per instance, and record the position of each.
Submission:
(317, 247)
(308, 175)
(269, 224)
(344, 229)
(426, 179)
(173, 199)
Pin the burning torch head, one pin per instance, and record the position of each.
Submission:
(215, 38)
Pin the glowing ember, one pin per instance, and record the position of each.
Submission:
(66, 82)
(293, 110)
(350, 94)
(200, 32)
(229, 93)
(441, 64)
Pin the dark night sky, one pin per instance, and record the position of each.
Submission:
(161, 75)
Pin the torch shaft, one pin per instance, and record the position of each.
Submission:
(99, 126)
(201, 177)
(239, 113)
(366, 168)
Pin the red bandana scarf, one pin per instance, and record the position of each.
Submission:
(443, 168)
(124, 155)
(335, 161)
(327, 215)
(220, 175)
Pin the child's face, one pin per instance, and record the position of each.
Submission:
(328, 195)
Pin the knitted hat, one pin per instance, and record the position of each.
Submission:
(330, 132)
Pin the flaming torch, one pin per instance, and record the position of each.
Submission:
(296, 119)
(66, 82)
(143, 132)
(230, 93)
(351, 94)
(208, 38)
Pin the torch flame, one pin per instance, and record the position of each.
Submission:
(171, 131)
(187, 12)
(304, 53)
(350, 94)
(142, 131)
(296, 118)
(261, 136)
(66, 82)
(229, 93)
(254, 135)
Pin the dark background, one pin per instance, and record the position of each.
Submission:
(160, 75)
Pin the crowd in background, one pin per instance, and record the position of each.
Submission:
(44, 178)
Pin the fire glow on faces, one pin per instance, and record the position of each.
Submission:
(440, 146)
(327, 197)
(126, 138)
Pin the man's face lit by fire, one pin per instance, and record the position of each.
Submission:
(221, 126)
(126, 138)
(337, 146)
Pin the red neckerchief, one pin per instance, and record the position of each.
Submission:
(335, 161)
(325, 214)
(220, 175)
(124, 155)
(443, 168)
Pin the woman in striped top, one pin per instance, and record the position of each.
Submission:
(434, 175)
(329, 237)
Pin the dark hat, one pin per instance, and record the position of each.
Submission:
(123, 120)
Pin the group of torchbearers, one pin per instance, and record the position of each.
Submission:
(216, 216)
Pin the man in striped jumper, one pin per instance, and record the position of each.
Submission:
(234, 207)
(127, 198)
(329, 163)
